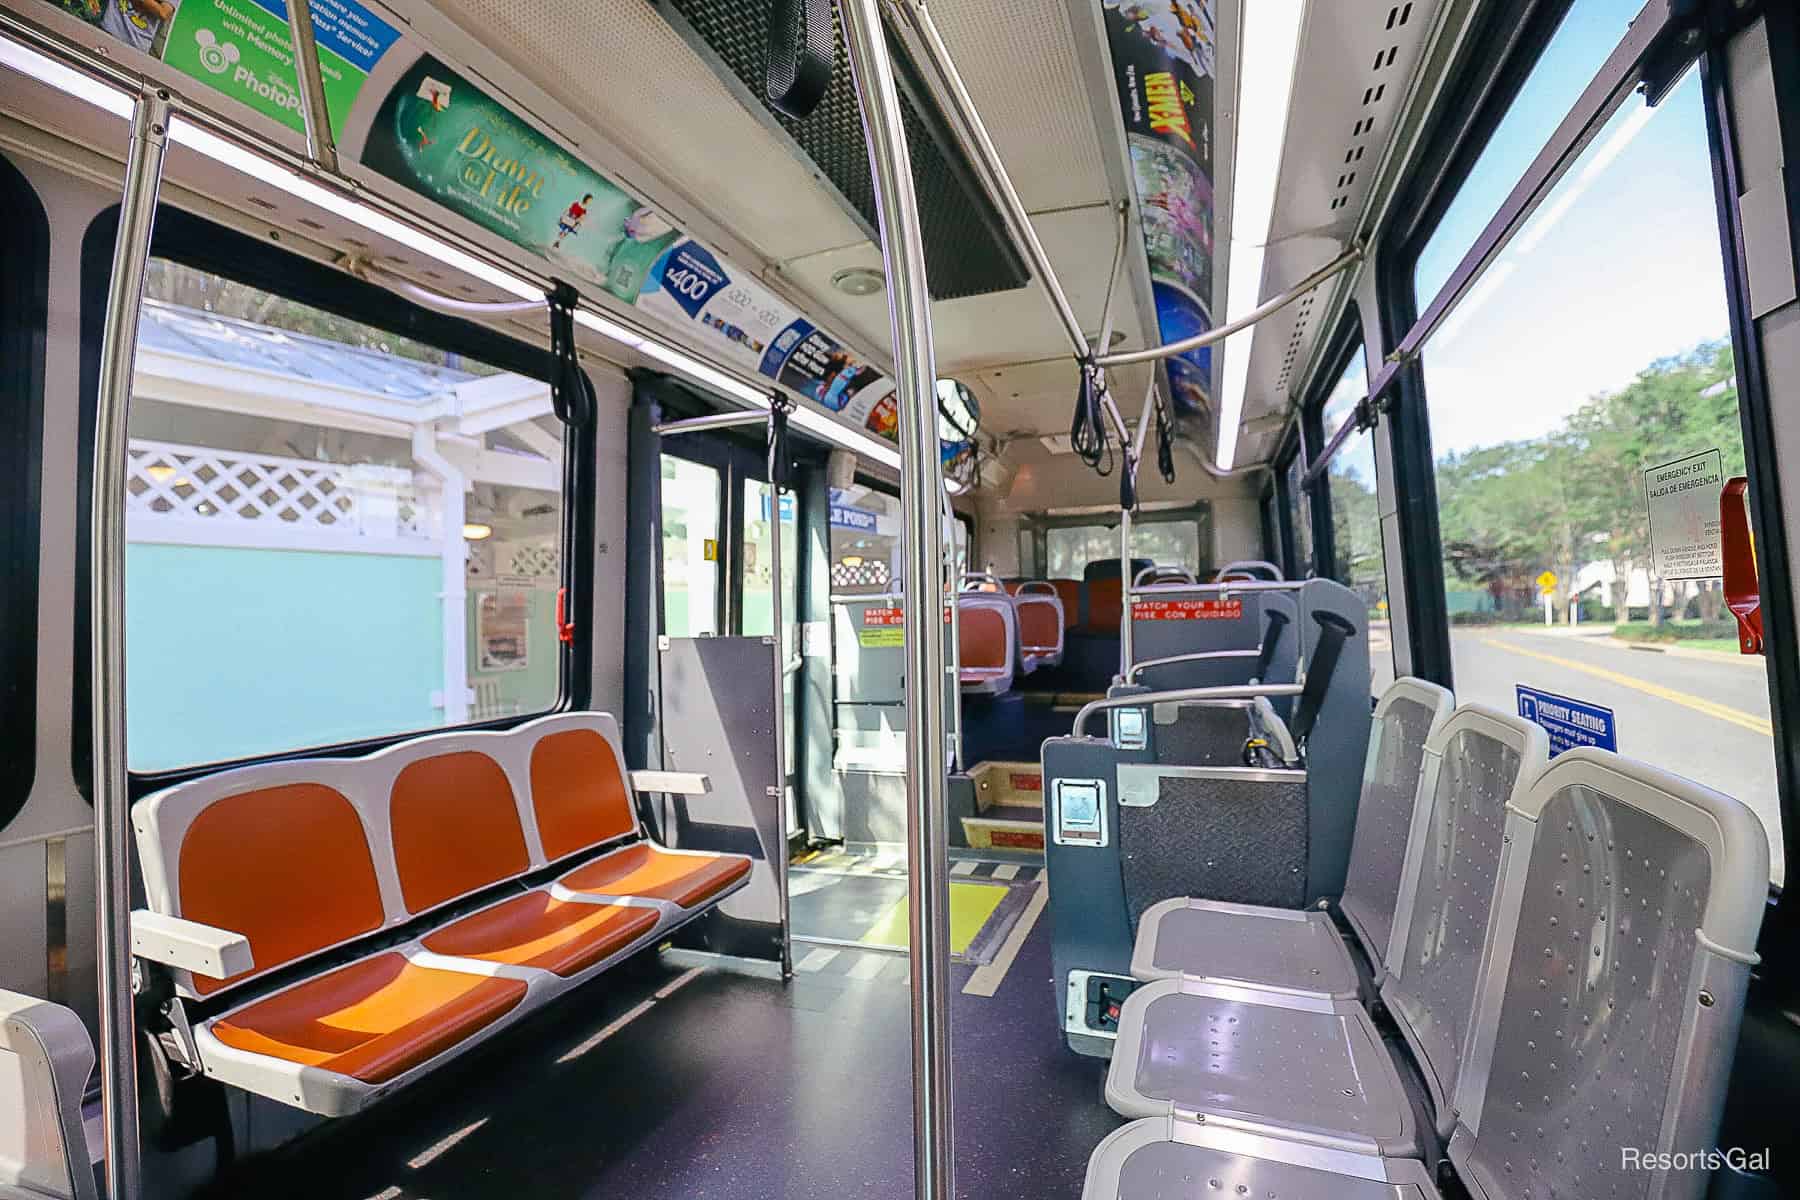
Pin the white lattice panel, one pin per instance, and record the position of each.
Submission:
(194, 483)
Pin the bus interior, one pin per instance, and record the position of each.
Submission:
(1122, 599)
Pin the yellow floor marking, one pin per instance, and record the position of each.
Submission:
(1718, 711)
(986, 979)
(971, 904)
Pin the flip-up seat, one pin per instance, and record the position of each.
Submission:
(1609, 993)
(581, 798)
(987, 641)
(250, 878)
(1300, 950)
(268, 866)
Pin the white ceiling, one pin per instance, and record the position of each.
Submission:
(1357, 69)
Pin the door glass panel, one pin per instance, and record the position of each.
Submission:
(1356, 520)
(690, 548)
(1616, 290)
(758, 609)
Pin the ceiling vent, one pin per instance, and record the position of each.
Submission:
(967, 252)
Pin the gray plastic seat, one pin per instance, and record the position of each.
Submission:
(1475, 765)
(1306, 1068)
(1611, 988)
(1294, 950)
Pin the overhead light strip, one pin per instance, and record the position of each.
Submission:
(1271, 48)
(264, 170)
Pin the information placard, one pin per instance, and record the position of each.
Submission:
(1187, 610)
(1686, 539)
(1570, 723)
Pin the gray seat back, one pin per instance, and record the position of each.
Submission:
(1613, 986)
(1409, 712)
(1475, 764)
(45, 1060)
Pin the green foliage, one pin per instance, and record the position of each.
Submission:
(1510, 511)
(1677, 631)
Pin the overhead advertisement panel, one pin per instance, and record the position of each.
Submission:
(1164, 66)
(241, 48)
(440, 135)
(443, 137)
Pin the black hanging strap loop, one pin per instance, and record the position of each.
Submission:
(1087, 429)
(781, 466)
(571, 391)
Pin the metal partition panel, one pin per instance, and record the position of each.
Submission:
(1212, 833)
(719, 718)
(1171, 620)
(1340, 738)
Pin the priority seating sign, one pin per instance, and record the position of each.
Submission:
(1570, 723)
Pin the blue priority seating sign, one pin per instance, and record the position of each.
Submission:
(1570, 723)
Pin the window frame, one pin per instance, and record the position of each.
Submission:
(1342, 348)
(194, 241)
(24, 334)
(1502, 52)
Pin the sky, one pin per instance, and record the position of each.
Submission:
(1619, 266)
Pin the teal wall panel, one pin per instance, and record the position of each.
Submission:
(233, 652)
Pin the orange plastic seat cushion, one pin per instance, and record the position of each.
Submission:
(538, 930)
(578, 792)
(372, 1020)
(456, 828)
(655, 874)
(983, 638)
(249, 860)
(1040, 624)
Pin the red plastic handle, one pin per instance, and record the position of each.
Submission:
(1743, 590)
(565, 628)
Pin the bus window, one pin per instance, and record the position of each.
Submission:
(1586, 35)
(865, 541)
(1595, 348)
(1172, 542)
(759, 618)
(691, 552)
(1356, 519)
(294, 514)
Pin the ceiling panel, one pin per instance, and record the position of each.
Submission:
(1353, 80)
(620, 65)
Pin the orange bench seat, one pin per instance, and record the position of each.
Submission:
(538, 930)
(372, 1020)
(652, 873)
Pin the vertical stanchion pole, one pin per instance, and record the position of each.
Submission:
(781, 675)
(921, 502)
(1125, 647)
(106, 572)
(953, 659)
(321, 146)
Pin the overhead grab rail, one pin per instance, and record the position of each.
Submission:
(315, 114)
(1247, 691)
(1262, 311)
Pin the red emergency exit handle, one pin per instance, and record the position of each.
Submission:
(1743, 590)
(565, 628)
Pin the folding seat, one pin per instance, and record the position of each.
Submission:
(1609, 990)
(250, 871)
(1300, 950)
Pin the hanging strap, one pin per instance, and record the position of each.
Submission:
(780, 463)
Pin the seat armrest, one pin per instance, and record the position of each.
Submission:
(189, 945)
(674, 783)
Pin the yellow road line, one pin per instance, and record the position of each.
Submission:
(1711, 708)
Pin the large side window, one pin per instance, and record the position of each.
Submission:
(334, 532)
(1356, 518)
(1299, 517)
(1594, 350)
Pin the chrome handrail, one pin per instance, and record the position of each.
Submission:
(1181, 696)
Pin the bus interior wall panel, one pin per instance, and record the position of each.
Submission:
(611, 554)
(24, 304)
